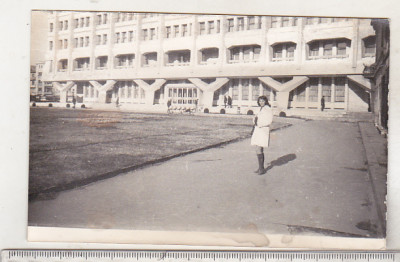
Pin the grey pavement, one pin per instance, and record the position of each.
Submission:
(323, 179)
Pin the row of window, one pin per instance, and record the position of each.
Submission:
(332, 89)
(240, 23)
(321, 49)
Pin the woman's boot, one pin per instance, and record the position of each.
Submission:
(260, 169)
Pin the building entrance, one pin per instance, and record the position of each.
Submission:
(182, 94)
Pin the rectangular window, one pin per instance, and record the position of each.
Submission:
(98, 39)
(202, 29)
(290, 50)
(235, 53)
(104, 39)
(65, 43)
(295, 21)
(168, 32)
(60, 44)
(314, 49)
(51, 27)
(87, 21)
(130, 36)
(277, 51)
(176, 30)
(76, 23)
(245, 89)
(218, 26)
(152, 33)
(309, 20)
(341, 48)
(144, 34)
(323, 20)
(105, 19)
(61, 25)
(274, 22)
(256, 52)
(51, 45)
(123, 38)
(211, 27)
(328, 45)
(82, 22)
(326, 88)
(285, 21)
(251, 23)
(255, 89)
(340, 89)
(235, 89)
(240, 21)
(184, 30)
(313, 90)
(117, 38)
(98, 19)
(86, 41)
(76, 42)
(230, 25)
(301, 93)
(369, 46)
(81, 42)
(246, 53)
(66, 25)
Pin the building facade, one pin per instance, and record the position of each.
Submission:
(148, 59)
(378, 72)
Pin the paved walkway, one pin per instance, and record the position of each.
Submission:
(318, 182)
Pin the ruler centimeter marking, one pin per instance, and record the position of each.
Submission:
(88, 255)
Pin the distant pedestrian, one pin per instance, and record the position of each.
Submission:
(260, 134)
(73, 101)
(225, 101)
(169, 106)
(322, 103)
(229, 102)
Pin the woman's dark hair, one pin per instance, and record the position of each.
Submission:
(263, 98)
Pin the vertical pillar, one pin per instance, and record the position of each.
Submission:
(333, 91)
(240, 93)
(110, 43)
(264, 52)
(222, 52)
(319, 92)
(355, 42)
(307, 92)
(194, 52)
(346, 95)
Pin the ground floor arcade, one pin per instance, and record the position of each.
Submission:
(345, 93)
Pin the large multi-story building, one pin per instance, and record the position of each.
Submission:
(149, 59)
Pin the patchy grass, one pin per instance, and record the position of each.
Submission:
(68, 145)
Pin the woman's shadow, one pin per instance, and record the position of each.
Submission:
(281, 161)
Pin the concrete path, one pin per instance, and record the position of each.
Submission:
(318, 182)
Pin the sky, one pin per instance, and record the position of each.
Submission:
(38, 36)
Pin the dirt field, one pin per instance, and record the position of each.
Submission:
(74, 147)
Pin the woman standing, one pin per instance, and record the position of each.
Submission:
(260, 137)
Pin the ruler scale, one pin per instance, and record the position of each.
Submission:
(197, 256)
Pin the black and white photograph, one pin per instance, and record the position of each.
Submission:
(269, 127)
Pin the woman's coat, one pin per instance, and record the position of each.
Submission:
(260, 135)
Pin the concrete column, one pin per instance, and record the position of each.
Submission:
(319, 92)
(149, 89)
(346, 95)
(63, 89)
(222, 52)
(102, 89)
(240, 93)
(355, 42)
(265, 50)
(194, 52)
(110, 44)
(333, 90)
(307, 93)
(209, 89)
(282, 99)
